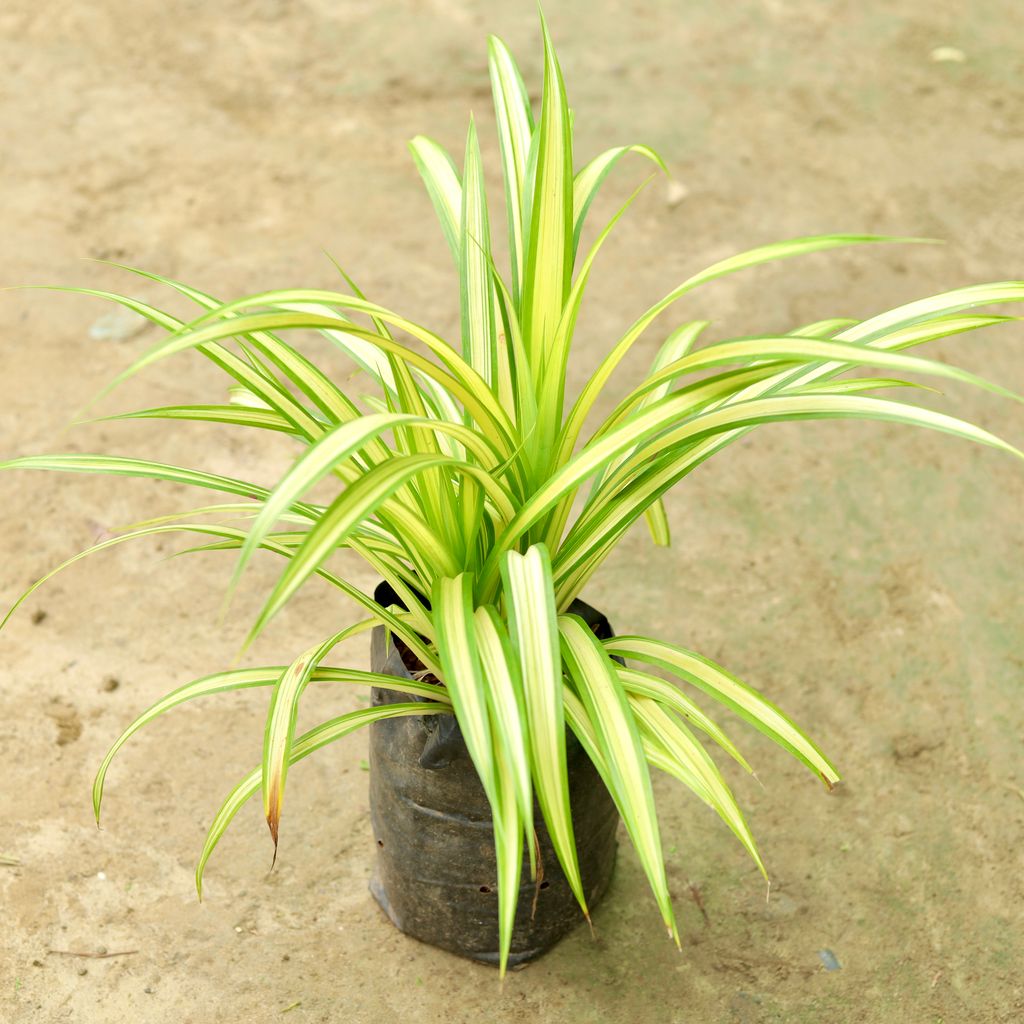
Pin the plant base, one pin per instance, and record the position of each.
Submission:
(435, 876)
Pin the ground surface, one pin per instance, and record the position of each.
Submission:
(868, 578)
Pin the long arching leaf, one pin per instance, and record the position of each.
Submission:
(305, 745)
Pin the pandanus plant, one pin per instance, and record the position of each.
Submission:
(487, 496)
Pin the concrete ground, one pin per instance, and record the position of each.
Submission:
(866, 577)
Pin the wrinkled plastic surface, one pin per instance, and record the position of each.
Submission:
(435, 875)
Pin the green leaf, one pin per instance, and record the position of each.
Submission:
(480, 704)
(644, 425)
(657, 523)
(791, 408)
(855, 385)
(728, 690)
(552, 377)
(547, 272)
(643, 684)
(500, 667)
(279, 735)
(305, 745)
(789, 348)
(513, 796)
(355, 504)
(118, 466)
(234, 415)
(515, 129)
(941, 305)
(244, 678)
(508, 845)
(750, 258)
(438, 171)
(409, 635)
(534, 629)
(462, 673)
(479, 335)
(596, 682)
(320, 459)
(682, 747)
(674, 348)
(588, 182)
(459, 378)
(263, 384)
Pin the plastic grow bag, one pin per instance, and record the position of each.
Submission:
(435, 873)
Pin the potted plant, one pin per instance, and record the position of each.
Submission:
(508, 732)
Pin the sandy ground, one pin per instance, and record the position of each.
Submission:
(868, 578)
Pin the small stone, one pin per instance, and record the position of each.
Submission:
(111, 683)
(149, 990)
(675, 193)
(101, 875)
(83, 971)
(119, 325)
(909, 747)
(781, 905)
(830, 960)
(902, 826)
(37, 963)
(948, 55)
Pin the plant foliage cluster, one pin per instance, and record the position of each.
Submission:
(488, 497)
